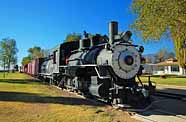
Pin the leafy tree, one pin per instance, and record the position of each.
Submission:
(161, 55)
(36, 52)
(170, 55)
(73, 37)
(183, 54)
(8, 51)
(46, 52)
(157, 18)
(148, 60)
(26, 60)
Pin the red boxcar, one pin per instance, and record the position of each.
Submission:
(34, 67)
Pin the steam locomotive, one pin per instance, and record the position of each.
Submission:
(100, 67)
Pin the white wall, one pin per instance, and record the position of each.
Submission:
(167, 70)
(2, 68)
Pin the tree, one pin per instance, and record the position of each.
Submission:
(26, 60)
(73, 37)
(163, 54)
(148, 60)
(36, 52)
(160, 56)
(46, 52)
(8, 51)
(170, 55)
(157, 18)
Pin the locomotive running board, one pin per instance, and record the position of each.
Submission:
(89, 65)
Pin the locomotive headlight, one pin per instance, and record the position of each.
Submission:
(129, 60)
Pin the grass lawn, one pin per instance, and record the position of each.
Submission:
(29, 101)
(179, 81)
(15, 76)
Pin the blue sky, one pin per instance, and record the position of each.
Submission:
(46, 23)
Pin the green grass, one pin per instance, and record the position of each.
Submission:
(169, 80)
(22, 100)
(15, 75)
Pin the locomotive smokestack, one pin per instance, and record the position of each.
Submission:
(113, 30)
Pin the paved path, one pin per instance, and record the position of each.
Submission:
(164, 110)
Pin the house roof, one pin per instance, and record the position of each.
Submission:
(168, 62)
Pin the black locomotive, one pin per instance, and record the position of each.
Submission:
(101, 67)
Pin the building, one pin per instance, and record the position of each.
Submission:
(12, 67)
(167, 67)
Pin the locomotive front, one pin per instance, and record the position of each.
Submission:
(119, 53)
(124, 59)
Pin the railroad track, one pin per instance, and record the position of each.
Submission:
(171, 95)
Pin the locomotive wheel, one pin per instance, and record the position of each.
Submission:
(61, 84)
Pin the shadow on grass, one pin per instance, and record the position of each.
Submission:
(20, 81)
(37, 98)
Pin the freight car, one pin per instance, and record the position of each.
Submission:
(33, 68)
(101, 67)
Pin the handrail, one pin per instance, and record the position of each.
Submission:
(101, 77)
